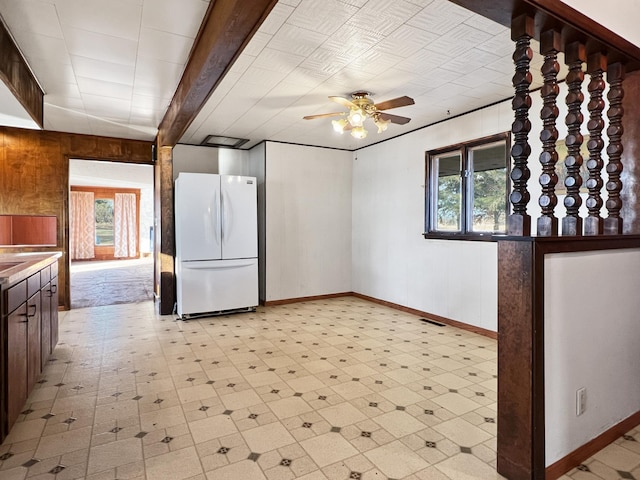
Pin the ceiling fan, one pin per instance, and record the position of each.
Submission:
(361, 107)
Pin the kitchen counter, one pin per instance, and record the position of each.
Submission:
(15, 267)
(28, 327)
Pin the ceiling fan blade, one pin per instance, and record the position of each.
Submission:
(394, 118)
(395, 103)
(343, 101)
(323, 115)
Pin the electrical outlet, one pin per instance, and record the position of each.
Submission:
(581, 401)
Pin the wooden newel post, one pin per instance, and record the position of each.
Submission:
(549, 47)
(519, 222)
(596, 66)
(575, 56)
(615, 76)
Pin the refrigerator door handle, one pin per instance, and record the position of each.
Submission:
(227, 215)
(216, 215)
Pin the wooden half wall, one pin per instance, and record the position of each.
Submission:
(34, 179)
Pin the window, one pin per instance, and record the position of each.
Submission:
(104, 221)
(467, 189)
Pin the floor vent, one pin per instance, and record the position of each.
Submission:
(433, 322)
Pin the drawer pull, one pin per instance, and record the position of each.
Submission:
(35, 309)
(54, 289)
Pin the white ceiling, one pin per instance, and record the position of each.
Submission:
(110, 67)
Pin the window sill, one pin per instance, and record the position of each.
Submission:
(468, 237)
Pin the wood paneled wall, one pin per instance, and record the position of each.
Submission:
(34, 179)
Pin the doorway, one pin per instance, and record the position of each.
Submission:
(110, 233)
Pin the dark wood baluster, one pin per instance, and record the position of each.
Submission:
(549, 47)
(615, 76)
(575, 55)
(596, 66)
(519, 222)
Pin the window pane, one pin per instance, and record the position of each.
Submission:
(488, 200)
(449, 188)
(104, 221)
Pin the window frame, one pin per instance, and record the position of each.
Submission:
(464, 149)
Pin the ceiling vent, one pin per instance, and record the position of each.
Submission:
(225, 142)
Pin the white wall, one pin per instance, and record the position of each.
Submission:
(308, 221)
(591, 340)
(257, 168)
(391, 260)
(194, 159)
(620, 16)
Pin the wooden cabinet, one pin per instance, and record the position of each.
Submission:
(28, 335)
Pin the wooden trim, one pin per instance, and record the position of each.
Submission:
(16, 74)
(413, 311)
(227, 27)
(164, 231)
(453, 323)
(575, 458)
(287, 301)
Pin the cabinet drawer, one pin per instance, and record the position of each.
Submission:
(54, 269)
(16, 296)
(45, 276)
(33, 284)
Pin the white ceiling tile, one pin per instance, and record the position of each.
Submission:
(115, 18)
(500, 45)
(27, 17)
(100, 47)
(66, 120)
(106, 89)
(165, 46)
(439, 17)
(375, 61)
(107, 106)
(274, 60)
(324, 62)
(144, 103)
(469, 61)
(382, 16)
(257, 43)
(480, 75)
(256, 82)
(350, 42)
(156, 77)
(45, 48)
(180, 17)
(296, 40)
(423, 61)
(401, 47)
(49, 75)
(110, 72)
(278, 15)
(68, 91)
(324, 17)
(486, 25)
(64, 101)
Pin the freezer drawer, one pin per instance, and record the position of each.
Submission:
(213, 286)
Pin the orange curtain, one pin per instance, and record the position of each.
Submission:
(82, 225)
(125, 240)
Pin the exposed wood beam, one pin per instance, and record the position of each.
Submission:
(225, 31)
(16, 74)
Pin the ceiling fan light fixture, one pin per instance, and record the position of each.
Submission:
(339, 125)
(359, 132)
(380, 123)
(357, 117)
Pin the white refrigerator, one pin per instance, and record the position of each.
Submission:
(216, 228)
